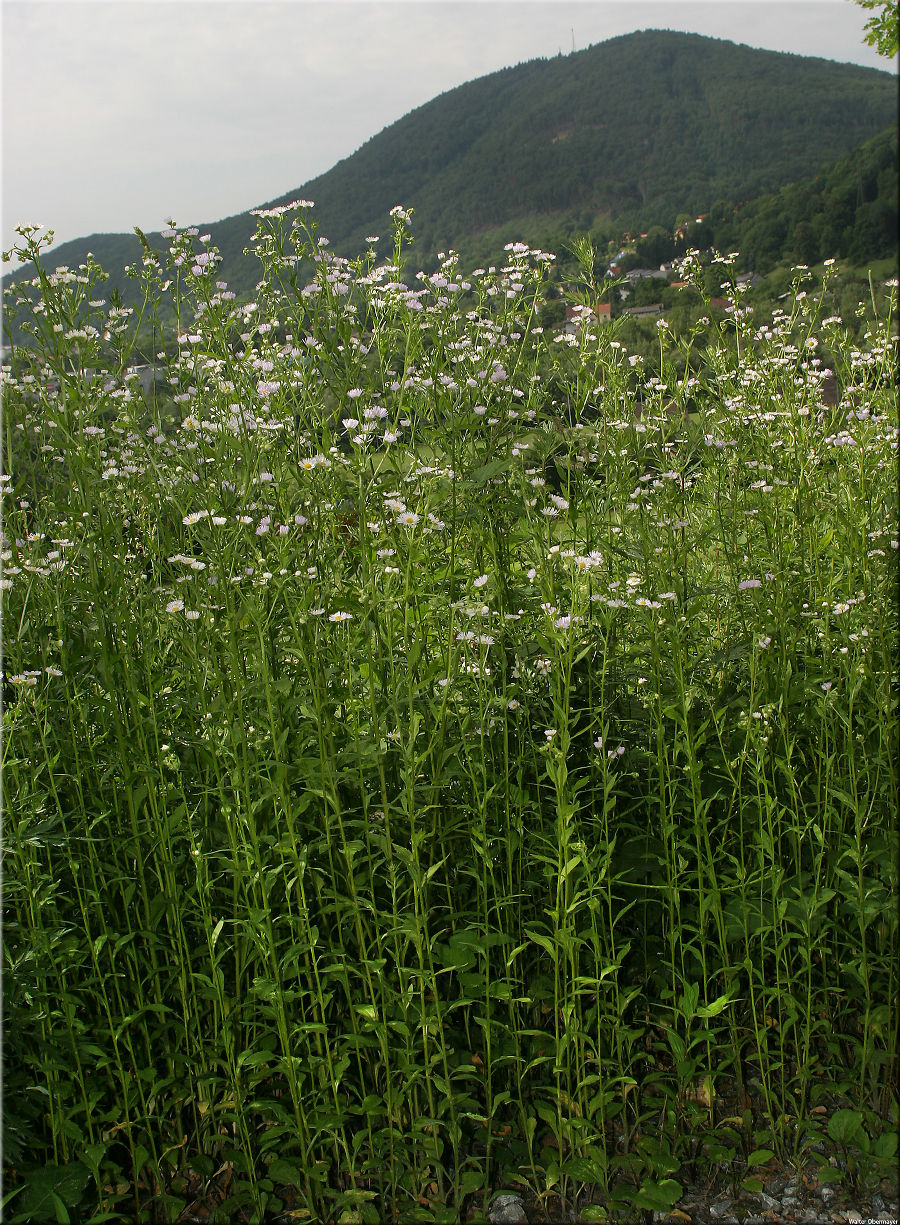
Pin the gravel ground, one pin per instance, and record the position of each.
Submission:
(791, 1199)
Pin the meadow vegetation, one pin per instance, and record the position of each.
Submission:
(441, 755)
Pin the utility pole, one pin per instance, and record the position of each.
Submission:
(573, 39)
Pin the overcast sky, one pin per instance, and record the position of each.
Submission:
(128, 112)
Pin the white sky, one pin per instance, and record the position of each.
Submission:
(119, 113)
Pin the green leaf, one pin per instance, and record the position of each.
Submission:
(285, 1172)
(8, 1199)
(659, 1196)
(94, 1153)
(885, 1146)
(352, 849)
(687, 1005)
(53, 1188)
(435, 867)
(582, 1169)
(759, 1156)
(753, 1185)
(593, 1212)
(713, 1009)
(482, 475)
(571, 866)
(59, 1208)
(845, 1126)
(544, 941)
(472, 1180)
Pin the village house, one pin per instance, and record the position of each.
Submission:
(645, 274)
(654, 308)
(147, 374)
(576, 315)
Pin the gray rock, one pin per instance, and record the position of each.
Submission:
(776, 1184)
(719, 1210)
(826, 1193)
(507, 1210)
(850, 1214)
(767, 1202)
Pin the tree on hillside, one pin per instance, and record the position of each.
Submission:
(805, 243)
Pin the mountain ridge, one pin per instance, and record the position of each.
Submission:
(641, 126)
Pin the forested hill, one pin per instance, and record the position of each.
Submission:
(848, 211)
(646, 124)
(640, 127)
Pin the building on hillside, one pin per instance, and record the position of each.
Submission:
(655, 308)
(748, 279)
(577, 315)
(645, 274)
(614, 264)
(147, 374)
